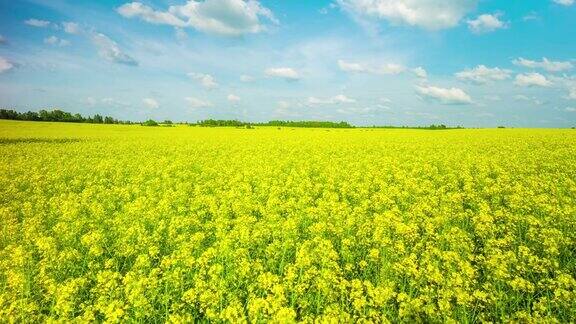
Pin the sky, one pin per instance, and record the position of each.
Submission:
(473, 63)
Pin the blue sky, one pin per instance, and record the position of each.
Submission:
(386, 62)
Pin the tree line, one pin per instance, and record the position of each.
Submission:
(62, 116)
(59, 116)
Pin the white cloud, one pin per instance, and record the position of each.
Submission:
(353, 67)
(390, 68)
(146, 13)
(420, 72)
(206, 80)
(427, 14)
(564, 2)
(283, 72)
(110, 51)
(486, 23)
(532, 80)
(150, 103)
(53, 40)
(5, 65)
(448, 96)
(568, 82)
(572, 93)
(233, 98)
(2, 40)
(545, 64)
(482, 74)
(338, 99)
(71, 27)
(197, 103)
(570, 109)
(532, 100)
(246, 78)
(222, 17)
(37, 23)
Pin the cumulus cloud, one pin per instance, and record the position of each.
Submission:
(146, 13)
(564, 2)
(109, 50)
(486, 23)
(233, 98)
(71, 27)
(53, 40)
(427, 14)
(222, 17)
(338, 99)
(37, 23)
(353, 67)
(447, 96)
(150, 103)
(482, 74)
(206, 80)
(2, 40)
(197, 103)
(545, 64)
(570, 109)
(283, 73)
(5, 65)
(532, 80)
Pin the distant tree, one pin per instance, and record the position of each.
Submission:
(150, 122)
(109, 120)
(30, 115)
(8, 114)
(167, 122)
(97, 119)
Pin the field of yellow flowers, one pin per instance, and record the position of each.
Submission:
(151, 224)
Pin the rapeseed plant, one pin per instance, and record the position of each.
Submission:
(187, 224)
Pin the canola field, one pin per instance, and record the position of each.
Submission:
(179, 224)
